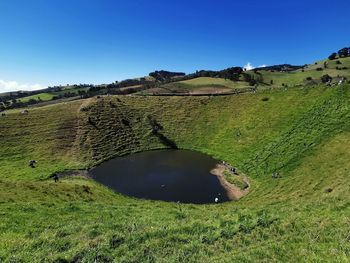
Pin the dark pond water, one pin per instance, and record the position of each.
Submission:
(169, 175)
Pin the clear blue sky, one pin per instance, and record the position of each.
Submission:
(84, 41)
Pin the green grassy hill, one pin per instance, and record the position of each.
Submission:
(204, 85)
(192, 84)
(303, 133)
(41, 96)
(309, 75)
(45, 96)
(299, 77)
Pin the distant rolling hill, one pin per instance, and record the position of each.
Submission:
(287, 76)
(205, 82)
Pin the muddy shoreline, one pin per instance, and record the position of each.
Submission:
(75, 173)
(234, 193)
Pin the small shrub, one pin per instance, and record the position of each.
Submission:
(326, 78)
(265, 99)
(309, 78)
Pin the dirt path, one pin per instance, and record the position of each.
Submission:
(72, 173)
(233, 192)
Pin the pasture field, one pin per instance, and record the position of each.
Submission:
(302, 133)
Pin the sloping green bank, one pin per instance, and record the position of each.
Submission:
(303, 134)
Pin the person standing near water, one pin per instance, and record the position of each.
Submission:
(55, 177)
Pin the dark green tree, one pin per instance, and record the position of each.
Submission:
(344, 52)
(332, 56)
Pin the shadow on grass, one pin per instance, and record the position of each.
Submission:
(156, 128)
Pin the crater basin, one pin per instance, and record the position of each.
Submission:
(168, 175)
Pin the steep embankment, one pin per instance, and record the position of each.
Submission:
(303, 216)
(109, 127)
(259, 133)
(44, 134)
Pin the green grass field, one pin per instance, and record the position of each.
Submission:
(309, 76)
(203, 85)
(205, 81)
(303, 133)
(298, 77)
(46, 96)
(43, 96)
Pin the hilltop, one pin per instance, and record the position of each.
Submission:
(203, 82)
(285, 122)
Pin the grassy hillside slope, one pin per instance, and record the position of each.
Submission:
(199, 85)
(304, 134)
(42, 96)
(206, 82)
(299, 77)
(309, 75)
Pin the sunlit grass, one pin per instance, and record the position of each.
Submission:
(303, 216)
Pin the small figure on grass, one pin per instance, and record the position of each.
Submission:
(233, 170)
(275, 175)
(32, 163)
(55, 177)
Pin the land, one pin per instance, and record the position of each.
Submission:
(300, 130)
(205, 82)
(235, 185)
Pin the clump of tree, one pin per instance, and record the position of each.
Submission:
(344, 52)
(332, 56)
(163, 75)
(250, 79)
(280, 68)
(232, 73)
(19, 94)
(341, 68)
(64, 95)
